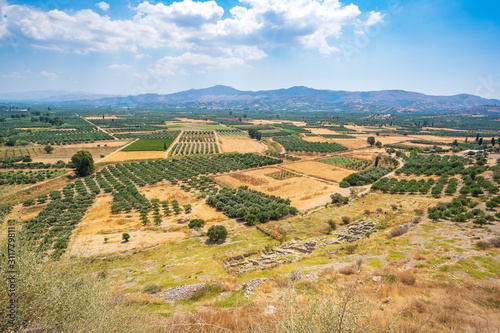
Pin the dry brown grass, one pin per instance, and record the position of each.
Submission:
(123, 156)
(240, 145)
(320, 170)
(302, 191)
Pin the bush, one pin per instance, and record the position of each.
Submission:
(495, 242)
(125, 237)
(407, 278)
(350, 248)
(196, 223)
(483, 245)
(151, 288)
(348, 270)
(332, 224)
(217, 233)
(398, 232)
(345, 219)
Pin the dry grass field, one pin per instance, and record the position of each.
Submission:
(123, 156)
(272, 122)
(100, 223)
(321, 131)
(65, 152)
(320, 170)
(241, 145)
(302, 191)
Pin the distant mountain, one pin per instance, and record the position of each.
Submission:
(50, 96)
(294, 97)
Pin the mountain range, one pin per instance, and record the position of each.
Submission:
(295, 97)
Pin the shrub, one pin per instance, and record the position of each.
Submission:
(398, 232)
(348, 270)
(350, 248)
(345, 219)
(125, 237)
(483, 245)
(217, 233)
(151, 288)
(416, 219)
(332, 224)
(495, 242)
(196, 223)
(407, 278)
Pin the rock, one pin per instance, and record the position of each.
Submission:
(387, 300)
(376, 278)
(269, 309)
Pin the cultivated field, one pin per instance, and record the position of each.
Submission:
(302, 191)
(134, 155)
(241, 145)
(320, 170)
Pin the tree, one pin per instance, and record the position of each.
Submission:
(378, 144)
(187, 208)
(83, 163)
(339, 199)
(49, 149)
(217, 233)
(125, 237)
(239, 119)
(480, 141)
(477, 137)
(371, 140)
(493, 141)
(11, 142)
(164, 146)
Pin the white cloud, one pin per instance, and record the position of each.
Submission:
(142, 56)
(193, 28)
(13, 75)
(48, 75)
(200, 62)
(117, 67)
(103, 6)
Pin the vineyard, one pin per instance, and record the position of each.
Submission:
(196, 143)
(231, 132)
(251, 206)
(294, 144)
(28, 177)
(394, 186)
(282, 175)
(347, 162)
(66, 137)
(149, 145)
(152, 135)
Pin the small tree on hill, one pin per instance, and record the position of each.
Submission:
(371, 140)
(83, 163)
(125, 237)
(217, 233)
(48, 149)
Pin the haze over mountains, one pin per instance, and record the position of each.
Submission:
(294, 97)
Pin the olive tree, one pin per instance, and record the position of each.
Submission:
(83, 163)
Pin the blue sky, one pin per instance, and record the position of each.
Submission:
(119, 47)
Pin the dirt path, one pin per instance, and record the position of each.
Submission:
(173, 144)
(217, 141)
(128, 144)
(283, 150)
(99, 128)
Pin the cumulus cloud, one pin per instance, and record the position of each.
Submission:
(49, 75)
(195, 29)
(117, 67)
(103, 6)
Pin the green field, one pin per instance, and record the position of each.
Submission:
(149, 145)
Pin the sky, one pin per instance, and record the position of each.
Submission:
(134, 47)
